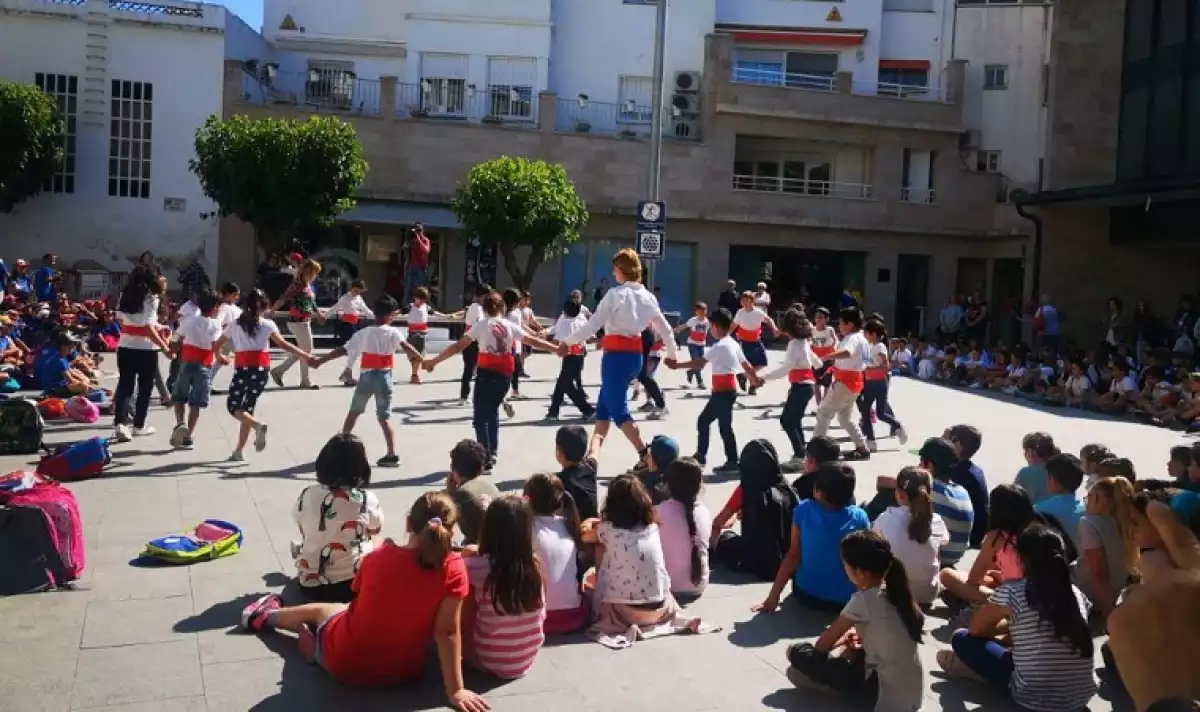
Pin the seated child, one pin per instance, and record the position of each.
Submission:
(915, 533)
(1187, 411)
(1037, 448)
(1179, 463)
(660, 453)
(337, 517)
(902, 358)
(558, 544)
(471, 492)
(870, 652)
(1090, 457)
(578, 472)
(502, 619)
(948, 365)
(1012, 377)
(818, 526)
(1072, 388)
(764, 503)
(684, 527)
(966, 440)
(1158, 397)
(406, 595)
(973, 371)
(929, 358)
(1107, 543)
(820, 450)
(1122, 389)
(1064, 475)
(56, 374)
(1010, 511)
(1117, 467)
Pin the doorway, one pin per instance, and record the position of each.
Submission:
(912, 294)
(790, 273)
(1008, 285)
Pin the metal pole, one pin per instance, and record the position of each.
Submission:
(656, 117)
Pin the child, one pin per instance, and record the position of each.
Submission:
(660, 453)
(502, 620)
(567, 386)
(1064, 475)
(684, 529)
(1073, 389)
(818, 526)
(967, 440)
(849, 361)
(1179, 463)
(406, 595)
(227, 314)
(200, 340)
(557, 542)
(338, 517)
(1013, 376)
(374, 347)
(1158, 398)
(633, 587)
(252, 337)
(1121, 391)
(1107, 543)
(728, 362)
(1010, 511)
(1050, 663)
(915, 532)
(929, 359)
(870, 651)
(1038, 448)
(515, 316)
(902, 358)
(472, 493)
(875, 387)
(1090, 457)
(418, 327)
(747, 329)
(697, 329)
(820, 451)
(824, 342)
(56, 375)
(800, 365)
(349, 309)
(578, 463)
(470, 355)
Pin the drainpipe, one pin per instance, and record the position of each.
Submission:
(1018, 198)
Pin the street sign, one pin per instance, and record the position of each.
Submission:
(651, 229)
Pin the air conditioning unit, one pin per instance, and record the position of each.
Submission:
(970, 140)
(686, 130)
(685, 104)
(687, 82)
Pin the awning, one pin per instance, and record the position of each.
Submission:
(1112, 195)
(395, 212)
(904, 64)
(744, 34)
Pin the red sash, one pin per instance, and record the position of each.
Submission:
(195, 354)
(801, 375)
(415, 327)
(351, 318)
(746, 336)
(299, 315)
(723, 382)
(697, 336)
(136, 330)
(618, 342)
(823, 351)
(504, 364)
(575, 350)
(876, 373)
(252, 359)
(852, 380)
(377, 362)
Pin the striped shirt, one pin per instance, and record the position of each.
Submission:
(1049, 675)
(504, 645)
(953, 504)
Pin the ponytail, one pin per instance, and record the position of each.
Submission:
(684, 477)
(548, 497)
(868, 551)
(916, 484)
(432, 520)
(433, 543)
(895, 587)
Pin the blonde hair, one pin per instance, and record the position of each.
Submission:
(629, 264)
(308, 270)
(432, 520)
(1120, 494)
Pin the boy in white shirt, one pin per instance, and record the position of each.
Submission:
(568, 384)
(1122, 391)
(349, 309)
(824, 342)
(227, 315)
(697, 338)
(199, 342)
(728, 362)
(902, 357)
(849, 363)
(418, 327)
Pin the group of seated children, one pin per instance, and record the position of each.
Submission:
(487, 576)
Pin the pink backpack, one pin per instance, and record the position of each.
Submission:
(57, 503)
(82, 410)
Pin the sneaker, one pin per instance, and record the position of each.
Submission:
(702, 386)
(658, 413)
(310, 386)
(551, 417)
(901, 435)
(517, 396)
(179, 435)
(144, 430)
(700, 459)
(796, 464)
(254, 616)
(349, 382)
(872, 446)
(864, 454)
(277, 377)
(489, 463)
(188, 444)
(646, 407)
(122, 434)
(294, 548)
(388, 461)
(508, 409)
(462, 402)
(727, 468)
(260, 438)
(237, 456)
(753, 391)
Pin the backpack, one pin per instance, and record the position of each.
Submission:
(211, 539)
(28, 556)
(82, 410)
(60, 520)
(53, 408)
(21, 427)
(79, 461)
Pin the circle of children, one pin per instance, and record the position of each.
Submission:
(487, 577)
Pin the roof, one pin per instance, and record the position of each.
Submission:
(1116, 194)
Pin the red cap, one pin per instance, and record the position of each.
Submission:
(21, 263)
(296, 257)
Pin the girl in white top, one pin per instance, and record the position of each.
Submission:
(470, 356)
(349, 310)
(252, 337)
(849, 363)
(684, 528)
(824, 342)
(800, 365)
(137, 351)
(748, 325)
(227, 314)
(515, 315)
(556, 539)
(915, 532)
(697, 339)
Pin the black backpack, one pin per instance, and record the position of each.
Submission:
(21, 427)
(29, 560)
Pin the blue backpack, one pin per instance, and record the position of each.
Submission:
(76, 462)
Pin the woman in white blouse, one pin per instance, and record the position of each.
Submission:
(137, 351)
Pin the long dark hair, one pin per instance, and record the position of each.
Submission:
(343, 464)
(506, 539)
(916, 484)
(868, 551)
(254, 303)
(684, 477)
(1048, 586)
(1010, 510)
(627, 504)
(141, 284)
(547, 497)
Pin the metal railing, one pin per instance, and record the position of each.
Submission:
(774, 78)
(602, 117)
(900, 91)
(457, 100)
(921, 196)
(800, 186)
(319, 90)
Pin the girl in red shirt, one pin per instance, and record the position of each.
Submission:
(405, 595)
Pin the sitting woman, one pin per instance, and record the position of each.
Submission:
(764, 501)
(1049, 665)
(406, 595)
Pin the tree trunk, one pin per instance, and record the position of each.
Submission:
(522, 276)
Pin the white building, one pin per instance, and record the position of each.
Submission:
(134, 81)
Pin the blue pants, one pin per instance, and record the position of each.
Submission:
(989, 659)
(490, 389)
(617, 368)
(695, 351)
(413, 277)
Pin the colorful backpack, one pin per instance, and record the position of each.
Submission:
(82, 410)
(60, 514)
(21, 427)
(53, 408)
(80, 461)
(211, 539)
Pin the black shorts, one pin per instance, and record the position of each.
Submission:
(245, 388)
(416, 339)
(824, 376)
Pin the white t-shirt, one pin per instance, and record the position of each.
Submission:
(475, 314)
(763, 300)
(634, 569)
(824, 341)
(1078, 385)
(626, 310)
(858, 347)
(148, 316)
(798, 356)
(335, 525)
(557, 555)
(1125, 385)
(697, 330)
(378, 339)
(261, 341)
(418, 314)
(751, 320)
(725, 357)
(877, 355)
(353, 305)
(677, 543)
(902, 357)
(496, 335)
(199, 331)
(565, 326)
(227, 314)
(920, 560)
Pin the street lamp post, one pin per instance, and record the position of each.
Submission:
(656, 116)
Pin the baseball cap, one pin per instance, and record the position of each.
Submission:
(21, 263)
(664, 450)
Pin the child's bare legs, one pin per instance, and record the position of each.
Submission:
(295, 618)
(349, 422)
(956, 584)
(193, 419)
(249, 424)
(389, 436)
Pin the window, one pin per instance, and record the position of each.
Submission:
(905, 77)
(65, 92)
(987, 161)
(444, 84)
(995, 76)
(129, 139)
(510, 87)
(797, 176)
(330, 84)
(918, 176)
(808, 70)
(635, 97)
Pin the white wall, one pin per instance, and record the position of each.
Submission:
(242, 41)
(1011, 120)
(360, 19)
(186, 70)
(597, 41)
(917, 35)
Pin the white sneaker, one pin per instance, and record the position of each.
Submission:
(872, 446)
(796, 464)
(901, 435)
(260, 438)
(179, 435)
(508, 409)
(123, 435)
(144, 430)
(237, 456)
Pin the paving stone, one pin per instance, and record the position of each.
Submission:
(130, 622)
(138, 673)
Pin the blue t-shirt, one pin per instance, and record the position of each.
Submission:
(1032, 478)
(820, 573)
(54, 373)
(42, 284)
(1066, 508)
(21, 284)
(953, 504)
(968, 476)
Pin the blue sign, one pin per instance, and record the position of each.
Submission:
(651, 229)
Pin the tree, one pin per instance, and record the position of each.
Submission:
(279, 175)
(513, 203)
(31, 142)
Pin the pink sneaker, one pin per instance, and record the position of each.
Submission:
(254, 616)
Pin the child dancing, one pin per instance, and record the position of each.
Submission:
(800, 365)
(849, 361)
(748, 323)
(697, 329)
(567, 386)
(875, 386)
(824, 342)
(349, 310)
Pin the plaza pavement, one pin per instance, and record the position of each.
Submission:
(164, 640)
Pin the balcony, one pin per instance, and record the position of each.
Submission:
(454, 99)
(341, 92)
(918, 196)
(801, 186)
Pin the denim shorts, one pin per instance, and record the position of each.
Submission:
(192, 385)
(377, 385)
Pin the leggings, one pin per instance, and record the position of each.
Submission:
(792, 416)
(987, 658)
(490, 389)
(720, 409)
(302, 330)
(617, 368)
(136, 366)
(646, 374)
(470, 357)
(875, 393)
(519, 368)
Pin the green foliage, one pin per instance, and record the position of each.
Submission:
(279, 175)
(31, 142)
(513, 203)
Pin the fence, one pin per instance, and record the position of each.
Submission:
(332, 91)
(455, 99)
(802, 186)
(602, 117)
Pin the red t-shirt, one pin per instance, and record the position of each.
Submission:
(383, 637)
(418, 251)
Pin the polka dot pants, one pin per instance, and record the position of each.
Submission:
(246, 387)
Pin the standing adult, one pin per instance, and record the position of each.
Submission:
(417, 274)
(601, 290)
(976, 318)
(302, 308)
(762, 298)
(1117, 325)
(950, 320)
(43, 279)
(1185, 317)
(1045, 324)
(851, 297)
(1147, 329)
(137, 351)
(729, 300)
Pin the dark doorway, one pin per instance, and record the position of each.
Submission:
(790, 272)
(912, 294)
(1008, 284)
(972, 276)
